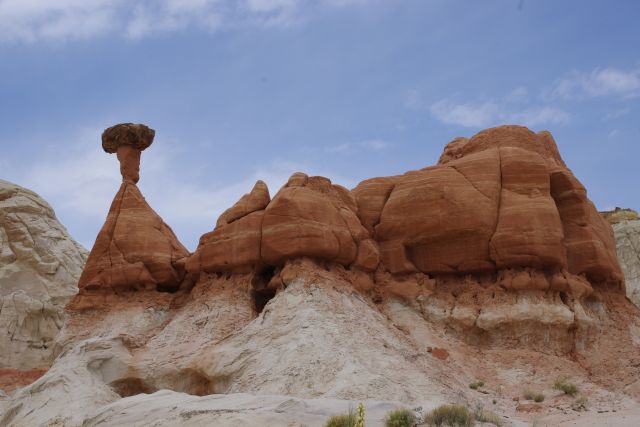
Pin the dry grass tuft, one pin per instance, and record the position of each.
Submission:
(400, 418)
(536, 397)
(568, 388)
(450, 415)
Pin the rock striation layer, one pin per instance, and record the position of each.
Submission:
(39, 268)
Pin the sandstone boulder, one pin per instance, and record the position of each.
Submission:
(309, 217)
(128, 140)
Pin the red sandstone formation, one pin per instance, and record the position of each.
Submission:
(135, 249)
(502, 199)
(492, 253)
(502, 202)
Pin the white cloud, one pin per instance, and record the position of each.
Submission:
(495, 112)
(464, 114)
(513, 108)
(30, 20)
(35, 20)
(599, 82)
(369, 144)
(537, 116)
(519, 94)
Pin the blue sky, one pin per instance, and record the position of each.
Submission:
(349, 89)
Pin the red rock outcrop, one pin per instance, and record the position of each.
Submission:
(493, 254)
(134, 249)
(256, 200)
(311, 217)
(502, 202)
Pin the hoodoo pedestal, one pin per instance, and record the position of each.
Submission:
(135, 249)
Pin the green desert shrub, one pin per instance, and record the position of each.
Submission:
(450, 415)
(400, 418)
(568, 388)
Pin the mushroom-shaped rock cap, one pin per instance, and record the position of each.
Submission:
(135, 135)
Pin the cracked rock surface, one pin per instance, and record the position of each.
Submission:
(39, 269)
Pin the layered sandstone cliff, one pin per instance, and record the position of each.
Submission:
(391, 291)
(39, 269)
(498, 240)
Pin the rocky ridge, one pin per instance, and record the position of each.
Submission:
(39, 268)
(390, 291)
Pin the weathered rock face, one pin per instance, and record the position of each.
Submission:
(39, 269)
(502, 199)
(626, 228)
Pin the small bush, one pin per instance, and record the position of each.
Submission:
(566, 387)
(536, 397)
(476, 385)
(341, 421)
(345, 420)
(488, 417)
(400, 418)
(450, 415)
